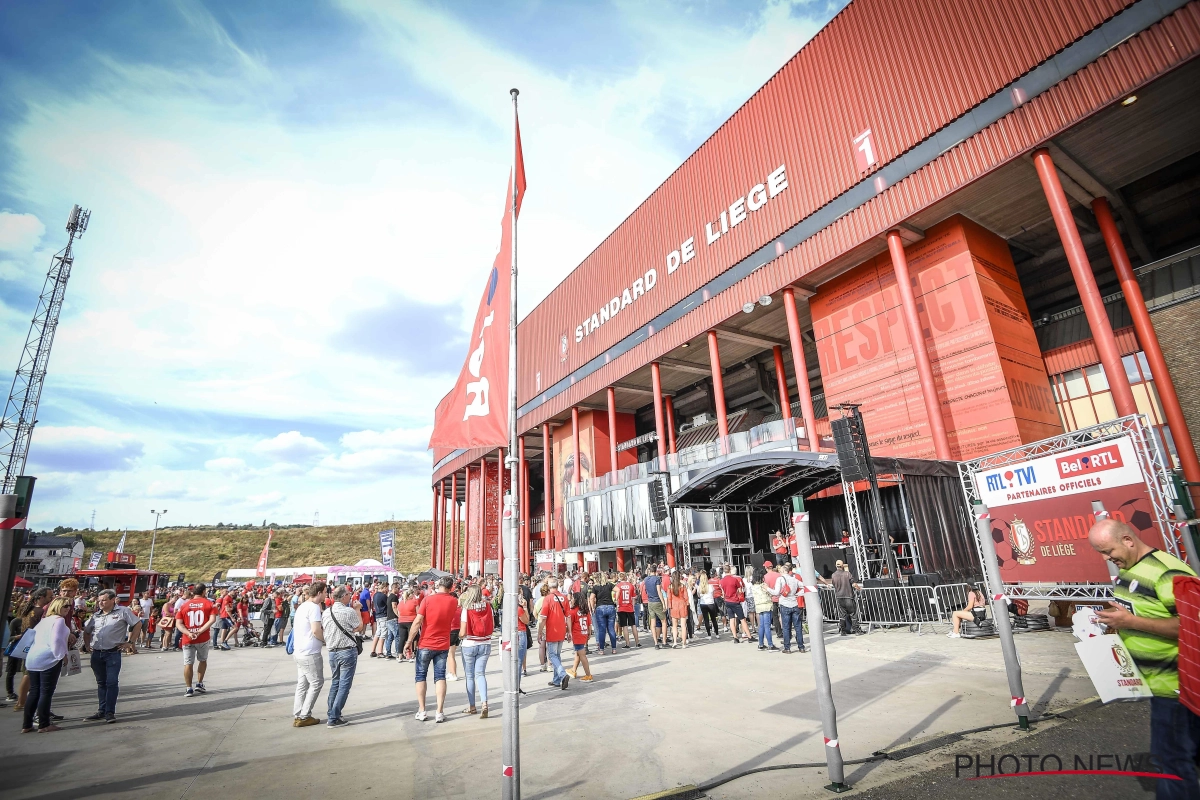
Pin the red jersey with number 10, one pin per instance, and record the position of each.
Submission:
(624, 597)
(193, 614)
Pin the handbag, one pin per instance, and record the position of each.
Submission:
(74, 664)
(19, 648)
(358, 640)
(290, 646)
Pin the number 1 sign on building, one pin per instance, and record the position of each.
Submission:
(864, 151)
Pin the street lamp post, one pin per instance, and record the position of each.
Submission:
(154, 536)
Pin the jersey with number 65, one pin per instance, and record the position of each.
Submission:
(195, 613)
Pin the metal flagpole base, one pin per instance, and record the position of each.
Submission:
(839, 787)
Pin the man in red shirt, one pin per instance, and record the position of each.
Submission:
(224, 619)
(552, 627)
(626, 621)
(194, 619)
(779, 546)
(734, 592)
(436, 615)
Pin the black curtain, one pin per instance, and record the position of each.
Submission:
(943, 525)
(827, 516)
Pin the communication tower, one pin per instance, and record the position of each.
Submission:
(20, 413)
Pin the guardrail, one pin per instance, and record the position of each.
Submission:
(888, 606)
(953, 596)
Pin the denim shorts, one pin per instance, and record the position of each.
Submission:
(438, 657)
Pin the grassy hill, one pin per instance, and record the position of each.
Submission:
(200, 552)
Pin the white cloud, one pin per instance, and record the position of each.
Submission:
(19, 233)
(291, 447)
(83, 449)
(226, 466)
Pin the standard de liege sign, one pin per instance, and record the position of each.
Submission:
(1041, 510)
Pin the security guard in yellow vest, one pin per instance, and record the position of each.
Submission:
(1144, 616)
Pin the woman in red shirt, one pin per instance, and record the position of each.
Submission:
(406, 613)
(677, 597)
(476, 625)
(580, 630)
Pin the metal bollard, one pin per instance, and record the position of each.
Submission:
(1012, 664)
(808, 574)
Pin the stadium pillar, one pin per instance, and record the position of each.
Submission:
(796, 341)
(433, 531)
(1148, 339)
(1085, 282)
(670, 555)
(916, 338)
(659, 421)
(548, 503)
(714, 363)
(612, 429)
(440, 537)
(620, 559)
(576, 456)
(454, 523)
(785, 402)
(669, 402)
(466, 521)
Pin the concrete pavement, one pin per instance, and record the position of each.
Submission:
(651, 720)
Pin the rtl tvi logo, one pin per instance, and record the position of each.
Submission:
(1011, 479)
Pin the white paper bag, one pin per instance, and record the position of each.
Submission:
(1111, 669)
(74, 663)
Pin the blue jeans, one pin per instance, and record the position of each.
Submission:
(553, 650)
(522, 649)
(764, 628)
(392, 637)
(606, 622)
(789, 618)
(638, 609)
(475, 658)
(342, 664)
(438, 657)
(107, 669)
(1174, 739)
(41, 692)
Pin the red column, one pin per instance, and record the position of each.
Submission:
(1148, 339)
(467, 522)
(916, 337)
(659, 427)
(579, 559)
(547, 486)
(525, 516)
(453, 522)
(714, 362)
(620, 559)
(669, 402)
(670, 555)
(433, 532)
(807, 415)
(1085, 282)
(440, 541)
(500, 507)
(577, 460)
(785, 402)
(612, 429)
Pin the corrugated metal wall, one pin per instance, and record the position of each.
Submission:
(926, 86)
(904, 70)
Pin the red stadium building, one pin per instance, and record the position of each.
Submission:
(1012, 186)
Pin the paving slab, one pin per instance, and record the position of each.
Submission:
(652, 720)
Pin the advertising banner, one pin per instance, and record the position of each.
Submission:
(387, 544)
(75, 562)
(94, 561)
(261, 569)
(1042, 510)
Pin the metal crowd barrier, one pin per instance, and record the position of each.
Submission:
(887, 606)
(829, 608)
(951, 597)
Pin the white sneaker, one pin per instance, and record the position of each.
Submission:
(440, 717)
(422, 716)
(708, 637)
(453, 678)
(953, 635)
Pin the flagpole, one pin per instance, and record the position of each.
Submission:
(510, 751)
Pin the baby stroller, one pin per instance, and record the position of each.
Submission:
(247, 637)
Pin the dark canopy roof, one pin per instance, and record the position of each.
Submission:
(764, 480)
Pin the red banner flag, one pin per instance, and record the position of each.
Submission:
(262, 559)
(475, 413)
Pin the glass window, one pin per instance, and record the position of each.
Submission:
(1144, 406)
(1141, 357)
(1162, 418)
(1106, 409)
(1131, 369)
(1082, 411)
(1075, 384)
(1096, 378)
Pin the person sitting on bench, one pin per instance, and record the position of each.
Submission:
(973, 611)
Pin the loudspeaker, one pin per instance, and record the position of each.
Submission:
(824, 559)
(879, 583)
(658, 504)
(925, 579)
(850, 441)
(757, 559)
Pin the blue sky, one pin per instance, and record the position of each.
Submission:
(294, 206)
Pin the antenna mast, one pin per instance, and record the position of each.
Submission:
(20, 413)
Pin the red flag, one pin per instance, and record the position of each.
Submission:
(262, 558)
(475, 413)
